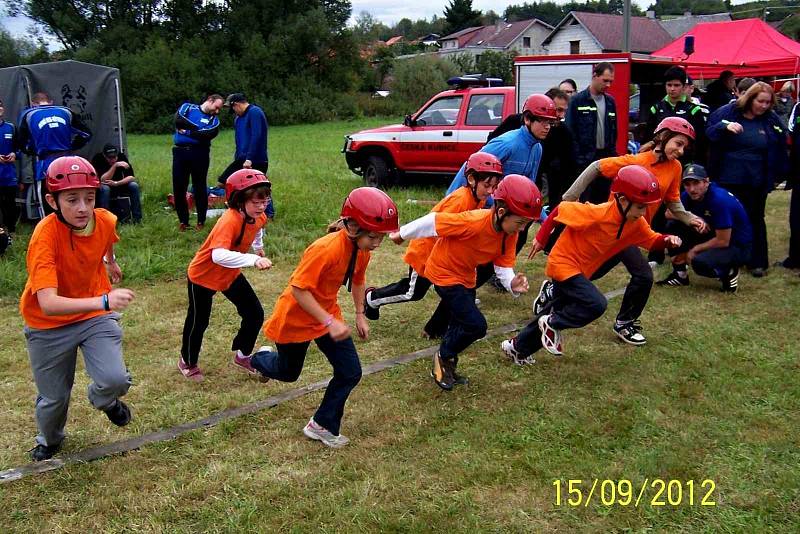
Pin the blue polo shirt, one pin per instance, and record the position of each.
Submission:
(722, 210)
(8, 171)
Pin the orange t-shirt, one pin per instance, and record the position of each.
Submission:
(418, 250)
(321, 272)
(202, 270)
(71, 263)
(590, 238)
(466, 240)
(667, 173)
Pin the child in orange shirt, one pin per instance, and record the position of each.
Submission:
(467, 240)
(217, 267)
(68, 303)
(308, 310)
(483, 172)
(673, 136)
(593, 234)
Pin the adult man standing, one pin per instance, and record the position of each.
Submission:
(195, 127)
(116, 180)
(250, 134)
(718, 253)
(49, 132)
(677, 104)
(592, 121)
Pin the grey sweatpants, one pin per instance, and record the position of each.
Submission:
(54, 353)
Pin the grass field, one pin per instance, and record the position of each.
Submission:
(714, 395)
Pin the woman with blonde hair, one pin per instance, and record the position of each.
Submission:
(785, 102)
(748, 155)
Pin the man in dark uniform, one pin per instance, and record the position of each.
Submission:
(677, 104)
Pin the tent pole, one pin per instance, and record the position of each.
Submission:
(119, 115)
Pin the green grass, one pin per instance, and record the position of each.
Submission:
(713, 395)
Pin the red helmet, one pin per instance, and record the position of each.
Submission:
(71, 172)
(637, 184)
(242, 180)
(541, 106)
(484, 162)
(520, 195)
(372, 209)
(677, 125)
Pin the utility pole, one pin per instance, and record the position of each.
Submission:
(626, 26)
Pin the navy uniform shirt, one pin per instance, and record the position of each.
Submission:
(199, 128)
(8, 171)
(44, 130)
(250, 132)
(721, 210)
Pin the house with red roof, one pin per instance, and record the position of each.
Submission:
(524, 37)
(591, 33)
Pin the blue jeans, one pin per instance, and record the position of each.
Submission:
(287, 363)
(130, 190)
(467, 324)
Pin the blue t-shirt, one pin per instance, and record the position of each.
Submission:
(8, 171)
(721, 210)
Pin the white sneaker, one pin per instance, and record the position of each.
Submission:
(551, 338)
(508, 347)
(314, 431)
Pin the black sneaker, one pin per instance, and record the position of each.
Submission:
(544, 298)
(442, 372)
(758, 272)
(119, 413)
(496, 284)
(730, 282)
(630, 333)
(373, 314)
(41, 452)
(459, 380)
(674, 280)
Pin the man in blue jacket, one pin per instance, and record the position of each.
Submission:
(592, 120)
(250, 133)
(195, 127)
(8, 174)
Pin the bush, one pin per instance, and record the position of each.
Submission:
(417, 79)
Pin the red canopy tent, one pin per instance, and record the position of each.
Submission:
(750, 47)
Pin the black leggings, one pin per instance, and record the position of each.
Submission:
(8, 207)
(247, 305)
(754, 201)
(190, 162)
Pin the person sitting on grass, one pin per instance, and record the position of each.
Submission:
(308, 309)
(718, 253)
(68, 303)
(117, 180)
(592, 234)
(217, 266)
(484, 172)
(467, 240)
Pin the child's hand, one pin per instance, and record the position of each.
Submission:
(118, 299)
(519, 284)
(673, 241)
(535, 248)
(114, 272)
(338, 330)
(395, 236)
(262, 264)
(362, 326)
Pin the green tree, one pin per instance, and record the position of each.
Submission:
(460, 15)
(419, 78)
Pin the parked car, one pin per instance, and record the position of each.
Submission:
(436, 139)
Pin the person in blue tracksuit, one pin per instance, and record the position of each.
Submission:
(250, 134)
(195, 126)
(8, 173)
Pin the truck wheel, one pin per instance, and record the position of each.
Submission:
(377, 172)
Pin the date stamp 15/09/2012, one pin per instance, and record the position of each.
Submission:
(654, 492)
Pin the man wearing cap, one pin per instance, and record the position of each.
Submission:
(116, 180)
(250, 132)
(718, 252)
(677, 104)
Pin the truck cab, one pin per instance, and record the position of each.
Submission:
(437, 139)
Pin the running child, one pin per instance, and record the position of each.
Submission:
(308, 310)
(68, 303)
(483, 172)
(592, 235)
(217, 266)
(674, 135)
(467, 240)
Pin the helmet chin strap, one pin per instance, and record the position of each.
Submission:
(623, 212)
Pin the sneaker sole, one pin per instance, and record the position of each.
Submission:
(537, 308)
(311, 435)
(245, 369)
